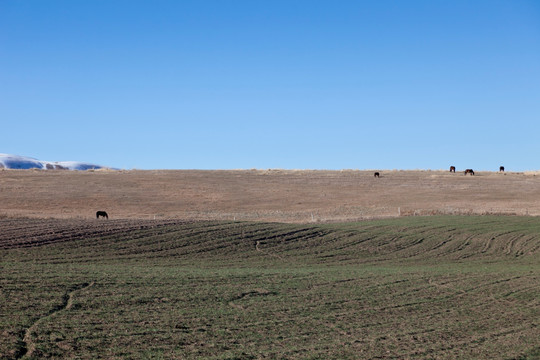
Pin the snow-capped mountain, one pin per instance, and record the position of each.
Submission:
(9, 161)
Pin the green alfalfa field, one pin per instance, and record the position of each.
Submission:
(438, 287)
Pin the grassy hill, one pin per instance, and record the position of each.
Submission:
(441, 287)
(286, 196)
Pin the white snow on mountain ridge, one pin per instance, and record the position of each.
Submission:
(9, 161)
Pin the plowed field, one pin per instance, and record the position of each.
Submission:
(440, 287)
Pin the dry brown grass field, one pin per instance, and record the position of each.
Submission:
(294, 196)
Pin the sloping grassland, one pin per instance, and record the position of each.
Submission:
(440, 287)
(287, 196)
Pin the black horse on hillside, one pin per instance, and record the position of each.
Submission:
(469, 171)
(102, 214)
(501, 169)
(452, 169)
(376, 175)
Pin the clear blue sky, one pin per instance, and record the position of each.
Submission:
(272, 84)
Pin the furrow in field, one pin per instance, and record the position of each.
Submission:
(511, 246)
(20, 236)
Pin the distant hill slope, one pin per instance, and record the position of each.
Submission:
(9, 161)
(259, 195)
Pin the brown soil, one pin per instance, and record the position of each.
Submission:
(264, 195)
(26, 233)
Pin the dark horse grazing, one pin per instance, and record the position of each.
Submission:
(376, 175)
(501, 169)
(469, 171)
(102, 214)
(452, 169)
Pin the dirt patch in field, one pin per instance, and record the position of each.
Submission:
(264, 195)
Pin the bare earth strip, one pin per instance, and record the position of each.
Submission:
(264, 195)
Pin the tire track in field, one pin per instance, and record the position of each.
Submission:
(258, 248)
(512, 245)
(252, 293)
(491, 242)
(28, 345)
(458, 292)
(287, 238)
